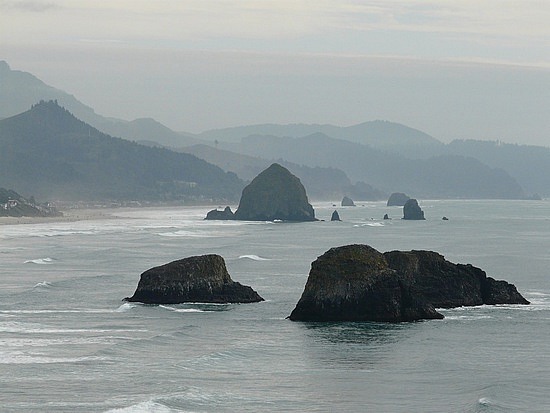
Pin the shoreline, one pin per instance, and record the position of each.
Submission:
(71, 215)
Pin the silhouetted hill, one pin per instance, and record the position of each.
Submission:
(320, 183)
(444, 176)
(529, 165)
(19, 90)
(48, 152)
(379, 134)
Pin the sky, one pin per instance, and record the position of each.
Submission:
(456, 69)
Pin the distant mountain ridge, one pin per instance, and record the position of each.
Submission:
(442, 176)
(377, 134)
(19, 90)
(48, 152)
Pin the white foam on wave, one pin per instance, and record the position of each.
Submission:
(467, 317)
(33, 328)
(253, 257)
(182, 310)
(125, 307)
(20, 357)
(61, 311)
(149, 406)
(40, 261)
(373, 224)
(43, 284)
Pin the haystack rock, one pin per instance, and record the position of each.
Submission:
(347, 201)
(411, 210)
(358, 283)
(201, 279)
(275, 194)
(397, 199)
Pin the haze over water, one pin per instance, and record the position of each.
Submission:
(69, 344)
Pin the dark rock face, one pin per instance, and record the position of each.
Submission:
(195, 279)
(386, 216)
(335, 216)
(275, 194)
(412, 211)
(358, 283)
(346, 201)
(224, 215)
(448, 285)
(397, 199)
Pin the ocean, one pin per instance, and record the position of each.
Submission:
(68, 343)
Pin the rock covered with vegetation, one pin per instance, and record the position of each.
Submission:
(201, 279)
(358, 283)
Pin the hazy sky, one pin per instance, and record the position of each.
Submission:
(455, 69)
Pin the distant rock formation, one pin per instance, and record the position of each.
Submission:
(14, 205)
(358, 283)
(347, 201)
(275, 194)
(445, 219)
(412, 211)
(201, 279)
(335, 216)
(397, 199)
(220, 215)
(386, 216)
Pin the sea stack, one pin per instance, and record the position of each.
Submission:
(412, 211)
(201, 279)
(335, 216)
(347, 201)
(397, 199)
(275, 194)
(226, 214)
(358, 283)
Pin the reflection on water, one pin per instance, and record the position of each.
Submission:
(361, 344)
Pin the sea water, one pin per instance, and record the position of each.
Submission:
(68, 343)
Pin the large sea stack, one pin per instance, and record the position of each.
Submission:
(275, 194)
(358, 283)
(411, 210)
(201, 279)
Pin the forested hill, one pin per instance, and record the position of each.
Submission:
(49, 153)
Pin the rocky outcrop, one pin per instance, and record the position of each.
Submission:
(411, 210)
(275, 194)
(358, 283)
(220, 215)
(194, 279)
(335, 216)
(347, 201)
(386, 216)
(397, 199)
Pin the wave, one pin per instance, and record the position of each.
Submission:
(46, 260)
(20, 357)
(125, 307)
(149, 406)
(183, 310)
(33, 328)
(43, 284)
(254, 257)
